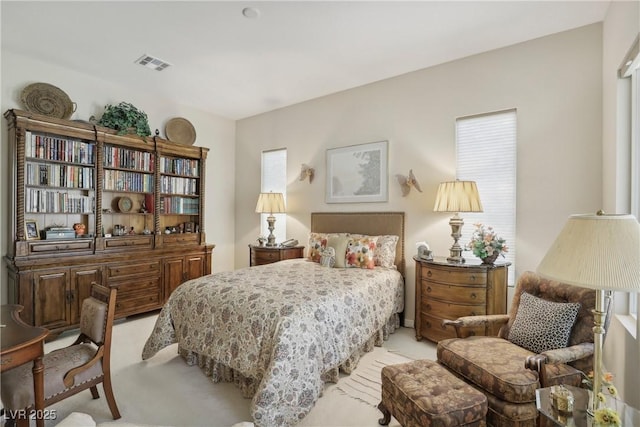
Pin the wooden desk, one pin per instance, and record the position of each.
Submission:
(22, 343)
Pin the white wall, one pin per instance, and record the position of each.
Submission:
(555, 83)
(620, 28)
(91, 95)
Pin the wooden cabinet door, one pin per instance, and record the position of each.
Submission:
(173, 274)
(81, 279)
(194, 265)
(52, 294)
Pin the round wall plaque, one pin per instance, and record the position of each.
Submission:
(125, 204)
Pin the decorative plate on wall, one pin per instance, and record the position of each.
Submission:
(125, 204)
(48, 100)
(180, 130)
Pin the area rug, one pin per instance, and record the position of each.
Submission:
(365, 383)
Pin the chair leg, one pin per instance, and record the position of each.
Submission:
(111, 400)
(94, 392)
(386, 415)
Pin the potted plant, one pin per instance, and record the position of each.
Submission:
(125, 118)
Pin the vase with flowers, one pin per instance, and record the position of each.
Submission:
(605, 415)
(486, 244)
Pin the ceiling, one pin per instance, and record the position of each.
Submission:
(236, 67)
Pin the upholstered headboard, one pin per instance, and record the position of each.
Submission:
(371, 223)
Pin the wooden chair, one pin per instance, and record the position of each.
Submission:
(67, 371)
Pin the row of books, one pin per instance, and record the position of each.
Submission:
(179, 205)
(117, 180)
(126, 158)
(187, 167)
(42, 146)
(59, 175)
(178, 185)
(47, 201)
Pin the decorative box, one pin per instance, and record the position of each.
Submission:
(59, 233)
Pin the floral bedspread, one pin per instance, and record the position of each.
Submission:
(279, 331)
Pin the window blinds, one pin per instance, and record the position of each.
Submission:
(486, 154)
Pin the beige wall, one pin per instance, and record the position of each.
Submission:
(554, 82)
(620, 28)
(91, 95)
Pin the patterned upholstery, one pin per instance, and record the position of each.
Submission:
(422, 393)
(508, 374)
(69, 370)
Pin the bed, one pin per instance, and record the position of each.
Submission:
(280, 331)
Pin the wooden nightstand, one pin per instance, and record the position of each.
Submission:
(446, 290)
(259, 255)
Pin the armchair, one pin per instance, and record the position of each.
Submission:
(510, 367)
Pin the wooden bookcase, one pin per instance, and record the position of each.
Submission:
(140, 202)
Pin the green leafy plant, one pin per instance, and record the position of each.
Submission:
(123, 117)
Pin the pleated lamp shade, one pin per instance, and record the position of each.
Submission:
(270, 203)
(458, 196)
(596, 252)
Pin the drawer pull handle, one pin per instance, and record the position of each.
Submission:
(429, 273)
(429, 289)
(474, 296)
(473, 277)
(428, 307)
(428, 324)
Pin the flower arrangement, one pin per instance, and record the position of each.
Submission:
(485, 242)
(604, 416)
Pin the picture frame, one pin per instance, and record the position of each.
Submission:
(31, 229)
(358, 173)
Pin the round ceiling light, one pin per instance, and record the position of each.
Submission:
(250, 12)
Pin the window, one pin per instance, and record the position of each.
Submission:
(632, 71)
(274, 179)
(486, 154)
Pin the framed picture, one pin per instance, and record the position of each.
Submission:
(31, 229)
(357, 173)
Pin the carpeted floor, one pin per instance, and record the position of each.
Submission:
(164, 391)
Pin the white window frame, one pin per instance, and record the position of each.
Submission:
(274, 179)
(634, 297)
(486, 148)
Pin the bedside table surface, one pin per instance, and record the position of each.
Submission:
(260, 255)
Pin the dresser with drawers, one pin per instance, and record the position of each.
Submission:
(447, 290)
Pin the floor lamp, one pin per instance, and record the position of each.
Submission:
(457, 196)
(600, 252)
(270, 203)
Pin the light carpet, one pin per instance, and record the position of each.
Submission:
(165, 391)
(365, 382)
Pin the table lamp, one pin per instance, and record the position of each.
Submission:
(600, 252)
(270, 203)
(457, 196)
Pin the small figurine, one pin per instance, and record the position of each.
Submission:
(132, 231)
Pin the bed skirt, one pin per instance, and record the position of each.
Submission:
(248, 386)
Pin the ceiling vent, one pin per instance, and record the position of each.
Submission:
(153, 63)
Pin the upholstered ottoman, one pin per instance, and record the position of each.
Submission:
(422, 393)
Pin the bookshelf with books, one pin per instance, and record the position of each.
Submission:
(90, 205)
(180, 191)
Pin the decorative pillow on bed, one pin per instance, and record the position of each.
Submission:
(317, 243)
(361, 252)
(386, 251)
(542, 325)
(339, 243)
(328, 258)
